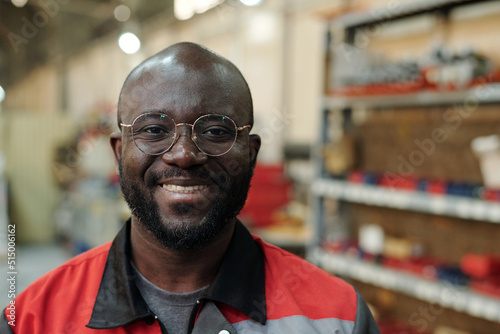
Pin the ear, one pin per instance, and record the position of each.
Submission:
(254, 149)
(115, 139)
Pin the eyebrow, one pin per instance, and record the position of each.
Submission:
(155, 111)
(169, 113)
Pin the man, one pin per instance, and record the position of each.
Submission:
(183, 263)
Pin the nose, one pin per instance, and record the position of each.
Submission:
(184, 153)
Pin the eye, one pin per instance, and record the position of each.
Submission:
(154, 130)
(216, 132)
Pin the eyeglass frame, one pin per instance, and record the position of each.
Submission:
(177, 135)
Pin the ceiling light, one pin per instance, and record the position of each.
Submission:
(185, 9)
(19, 3)
(251, 2)
(129, 43)
(201, 6)
(122, 13)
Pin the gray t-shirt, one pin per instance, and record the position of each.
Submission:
(172, 309)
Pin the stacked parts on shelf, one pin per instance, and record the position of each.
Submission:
(430, 186)
(441, 70)
(480, 272)
(484, 270)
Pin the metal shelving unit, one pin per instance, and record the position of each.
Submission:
(446, 205)
(442, 293)
(397, 10)
(481, 94)
(323, 187)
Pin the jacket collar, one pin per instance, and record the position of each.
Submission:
(240, 283)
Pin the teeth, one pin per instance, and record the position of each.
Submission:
(182, 189)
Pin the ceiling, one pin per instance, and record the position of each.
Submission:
(51, 29)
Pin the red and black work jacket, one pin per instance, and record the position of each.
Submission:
(259, 289)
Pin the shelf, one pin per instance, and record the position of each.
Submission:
(446, 205)
(397, 11)
(482, 94)
(441, 293)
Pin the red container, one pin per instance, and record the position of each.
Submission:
(355, 177)
(490, 195)
(404, 183)
(480, 266)
(437, 187)
(269, 191)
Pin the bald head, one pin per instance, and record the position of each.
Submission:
(181, 65)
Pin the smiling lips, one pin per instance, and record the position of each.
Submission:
(183, 189)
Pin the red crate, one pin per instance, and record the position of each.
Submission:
(269, 191)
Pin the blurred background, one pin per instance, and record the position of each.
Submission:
(379, 121)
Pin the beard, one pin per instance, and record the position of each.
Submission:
(226, 202)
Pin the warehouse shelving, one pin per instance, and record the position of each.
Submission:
(480, 94)
(447, 205)
(339, 108)
(445, 294)
(396, 10)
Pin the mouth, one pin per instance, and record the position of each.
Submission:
(183, 189)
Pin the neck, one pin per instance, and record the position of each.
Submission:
(177, 271)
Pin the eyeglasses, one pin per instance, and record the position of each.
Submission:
(156, 133)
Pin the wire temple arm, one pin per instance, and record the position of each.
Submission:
(244, 127)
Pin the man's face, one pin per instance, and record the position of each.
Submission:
(184, 197)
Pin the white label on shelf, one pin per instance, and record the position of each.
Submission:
(494, 212)
(360, 272)
(478, 210)
(460, 303)
(373, 198)
(382, 280)
(348, 193)
(463, 208)
(475, 306)
(392, 198)
(491, 310)
(378, 197)
(354, 193)
(427, 291)
(402, 201)
(438, 205)
(388, 280)
(456, 297)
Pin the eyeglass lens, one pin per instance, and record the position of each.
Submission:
(155, 133)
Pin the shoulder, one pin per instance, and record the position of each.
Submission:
(62, 298)
(88, 263)
(72, 285)
(303, 287)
